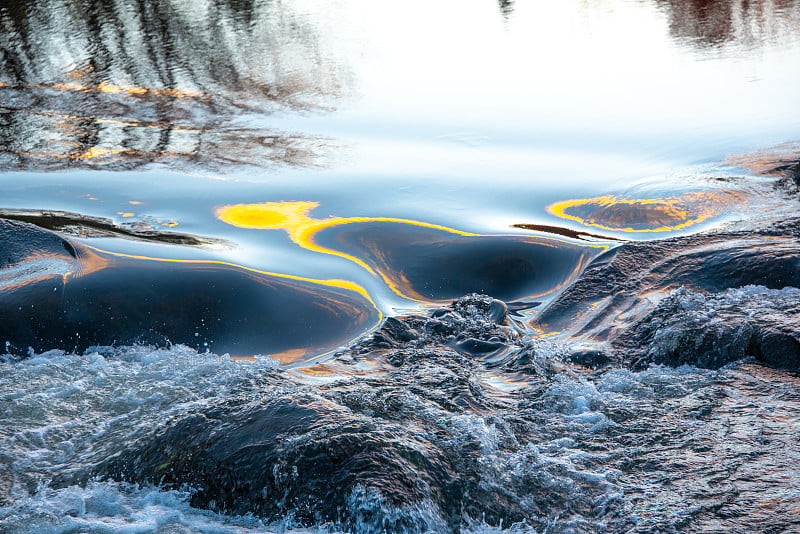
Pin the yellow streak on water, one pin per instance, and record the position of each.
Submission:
(294, 218)
(341, 284)
(91, 262)
(651, 214)
(106, 87)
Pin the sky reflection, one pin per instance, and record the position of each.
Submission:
(473, 115)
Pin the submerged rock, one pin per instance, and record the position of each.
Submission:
(56, 293)
(434, 440)
(301, 453)
(622, 300)
(424, 448)
(20, 242)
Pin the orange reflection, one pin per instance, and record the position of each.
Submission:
(341, 284)
(105, 87)
(291, 356)
(73, 294)
(622, 214)
(96, 152)
(295, 219)
(770, 162)
(43, 265)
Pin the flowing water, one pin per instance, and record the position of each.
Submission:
(274, 177)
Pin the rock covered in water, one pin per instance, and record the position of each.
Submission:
(296, 452)
(60, 294)
(474, 325)
(710, 331)
(424, 446)
(623, 301)
(422, 443)
(20, 242)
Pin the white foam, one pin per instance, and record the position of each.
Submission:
(111, 508)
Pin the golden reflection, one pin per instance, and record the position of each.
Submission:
(93, 280)
(671, 213)
(96, 152)
(302, 228)
(291, 356)
(337, 283)
(770, 162)
(128, 86)
(95, 259)
(106, 87)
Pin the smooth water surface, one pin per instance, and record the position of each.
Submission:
(414, 151)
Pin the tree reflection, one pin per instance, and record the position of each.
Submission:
(713, 23)
(128, 82)
(506, 7)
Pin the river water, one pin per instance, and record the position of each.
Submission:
(358, 159)
(469, 116)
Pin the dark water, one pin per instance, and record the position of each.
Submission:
(573, 125)
(274, 178)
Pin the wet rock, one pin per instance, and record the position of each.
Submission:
(710, 331)
(423, 445)
(19, 242)
(479, 348)
(298, 453)
(393, 333)
(421, 448)
(474, 324)
(616, 299)
(592, 358)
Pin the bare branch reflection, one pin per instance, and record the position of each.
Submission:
(506, 7)
(126, 83)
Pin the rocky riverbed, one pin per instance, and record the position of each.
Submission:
(664, 400)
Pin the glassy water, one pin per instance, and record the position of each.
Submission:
(416, 151)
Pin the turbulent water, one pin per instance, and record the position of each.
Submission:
(463, 266)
